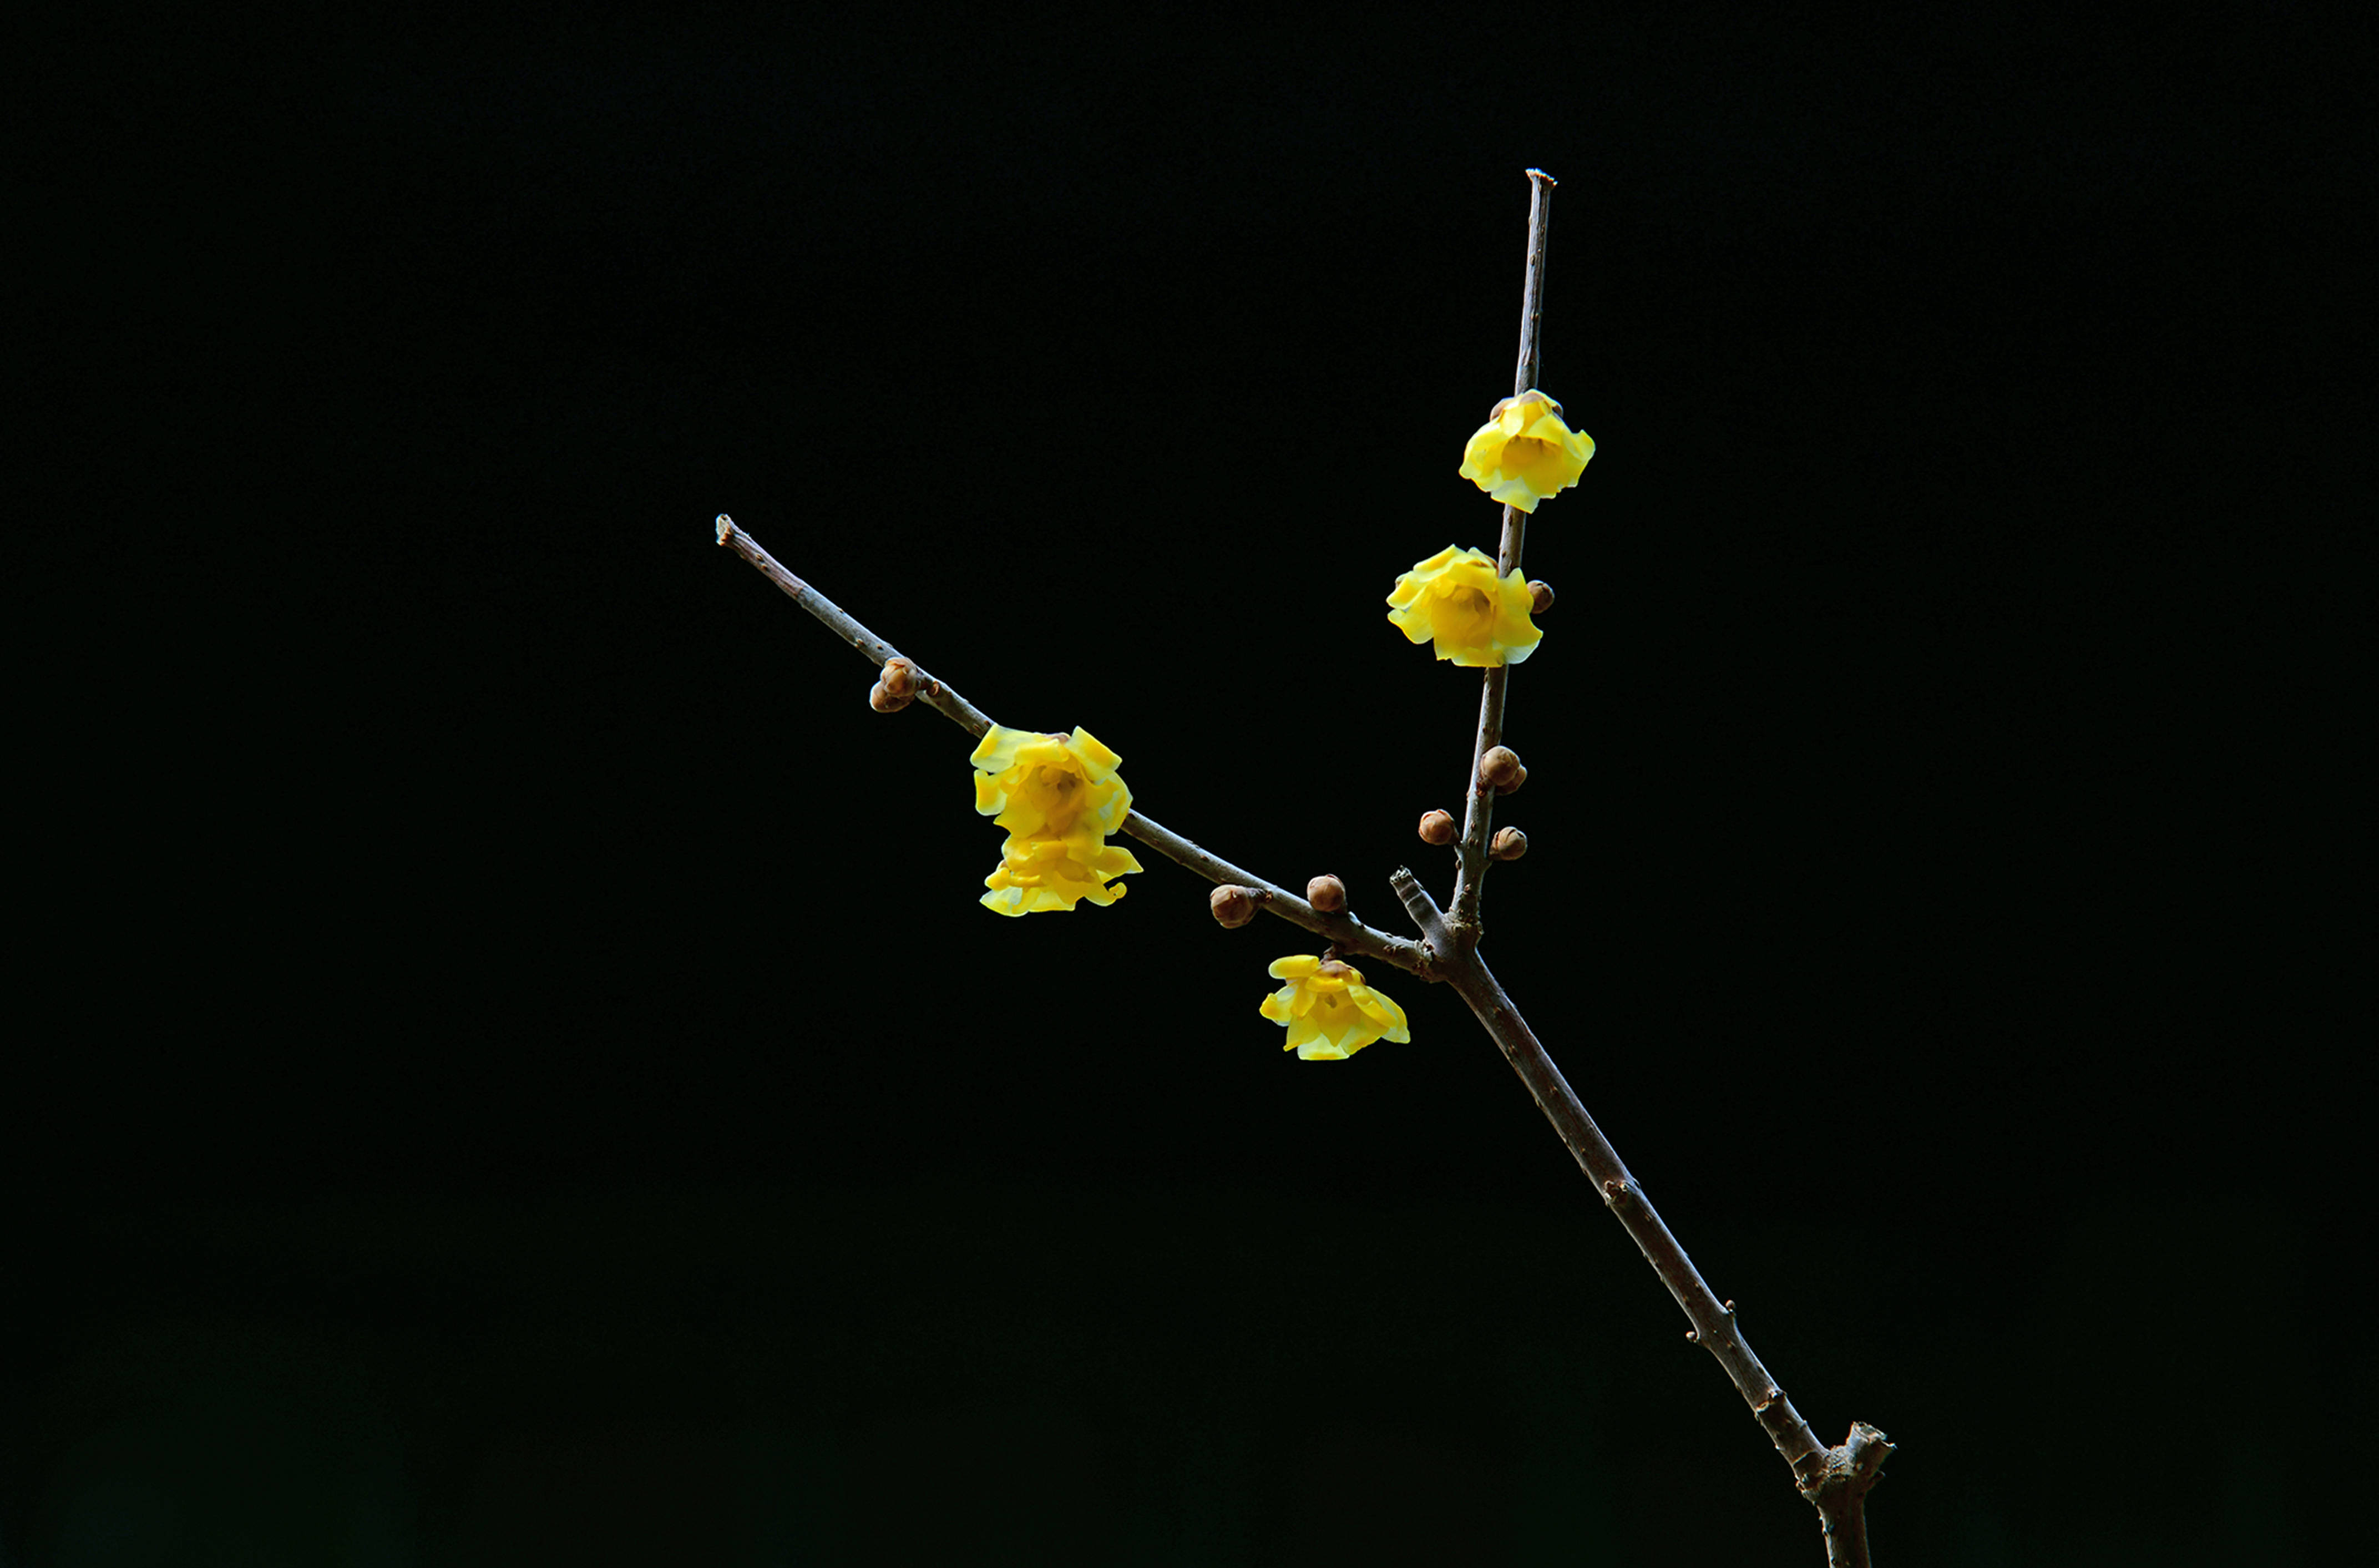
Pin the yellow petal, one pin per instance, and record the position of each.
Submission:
(1099, 761)
(1479, 453)
(996, 751)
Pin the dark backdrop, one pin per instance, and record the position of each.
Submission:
(534, 1081)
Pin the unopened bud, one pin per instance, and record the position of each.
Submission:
(1541, 597)
(1232, 906)
(1436, 827)
(1501, 766)
(900, 678)
(1509, 844)
(883, 699)
(1327, 894)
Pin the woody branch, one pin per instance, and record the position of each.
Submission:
(1350, 934)
(1836, 1479)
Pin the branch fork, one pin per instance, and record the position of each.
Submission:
(1835, 1479)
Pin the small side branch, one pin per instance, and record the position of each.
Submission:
(1350, 935)
(1424, 912)
(943, 700)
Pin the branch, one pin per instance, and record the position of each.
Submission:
(1840, 1497)
(1834, 1480)
(1349, 933)
(1478, 820)
(959, 711)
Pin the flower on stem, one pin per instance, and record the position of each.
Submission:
(1456, 600)
(1059, 796)
(1329, 1012)
(1523, 452)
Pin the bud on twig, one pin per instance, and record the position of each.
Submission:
(1501, 767)
(1509, 844)
(1436, 827)
(883, 699)
(1233, 907)
(1327, 894)
(900, 678)
(1541, 597)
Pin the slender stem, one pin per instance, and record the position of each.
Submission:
(1836, 1479)
(1532, 285)
(1479, 814)
(964, 714)
(1478, 818)
(1350, 934)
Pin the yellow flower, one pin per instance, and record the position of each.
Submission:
(1051, 874)
(1454, 599)
(1331, 1014)
(1523, 452)
(1059, 796)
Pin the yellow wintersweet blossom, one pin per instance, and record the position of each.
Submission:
(1059, 796)
(1053, 874)
(1523, 452)
(1331, 1014)
(1454, 599)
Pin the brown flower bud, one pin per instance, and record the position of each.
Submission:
(1232, 906)
(883, 699)
(1541, 597)
(1509, 844)
(900, 678)
(1501, 766)
(1436, 827)
(1327, 894)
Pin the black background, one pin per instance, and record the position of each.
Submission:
(530, 1080)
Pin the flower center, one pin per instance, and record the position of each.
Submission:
(1057, 791)
(1469, 614)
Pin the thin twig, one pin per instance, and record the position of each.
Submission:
(1478, 820)
(964, 714)
(1350, 934)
